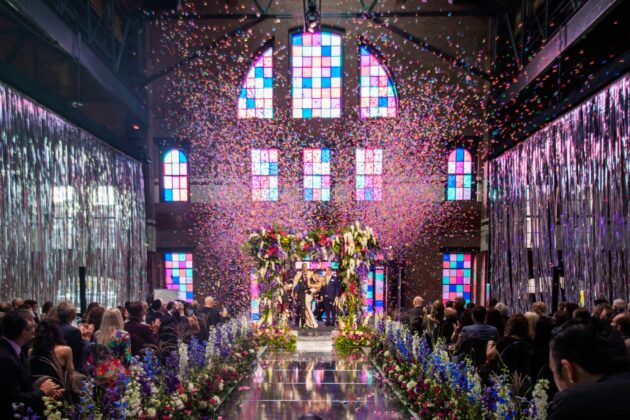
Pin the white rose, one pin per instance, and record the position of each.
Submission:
(151, 412)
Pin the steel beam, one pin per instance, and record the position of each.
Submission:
(583, 20)
(45, 18)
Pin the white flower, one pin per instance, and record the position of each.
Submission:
(151, 412)
(411, 384)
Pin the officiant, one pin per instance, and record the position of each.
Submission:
(331, 291)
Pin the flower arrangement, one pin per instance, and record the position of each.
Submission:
(274, 249)
(351, 337)
(434, 385)
(190, 382)
(278, 338)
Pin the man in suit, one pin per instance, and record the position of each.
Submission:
(142, 335)
(413, 317)
(66, 313)
(478, 331)
(213, 315)
(331, 292)
(16, 387)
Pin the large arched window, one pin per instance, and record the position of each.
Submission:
(460, 175)
(175, 176)
(256, 95)
(378, 96)
(316, 74)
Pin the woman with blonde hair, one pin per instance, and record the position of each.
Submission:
(112, 335)
(532, 320)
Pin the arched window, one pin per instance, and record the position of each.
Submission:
(378, 92)
(316, 74)
(175, 176)
(256, 96)
(460, 176)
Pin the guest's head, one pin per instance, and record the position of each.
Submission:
(27, 307)
(494, 318)
(5, 307)
(66, 312)
(621, 324)
(559, 317)
(502, 309)
(16, 303)
(209, 302)
(47, 336)
(32, 303)
(532, 320)
(418, 301)
(619, 306)
(195, 305)
(469, 306)
(437, 310)
(46, 307)
(582, 315)
(123, 311)
(479, 314)
(304, 267)
(602, 311)
(570, 307)
(449, 304)
(600, 301)
(540, 308)
(581, 353)
(95, 317)
(562, 306)
(450, 314)
(136, 311)
(460, 303)
(91, 306)
(112, 321)
(19, 326)
(156, 305)
(492, 302)
(517, 326)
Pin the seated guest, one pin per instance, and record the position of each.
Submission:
(33, 307)
(113, 336)
(532, 320)
(66, 313)
(514, 351)
(581, 315)
(479, 331)
(95, 317)
(590, 368)
(621, 324)
(494, 318)
(618, 306)
(503, 310)
(413, 317)
(46, 307)
(16, 386)
(50, 357)
(155, 312)
(142, 335)
(559, 318)
(16, 303)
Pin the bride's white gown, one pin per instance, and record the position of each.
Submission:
(310, 320)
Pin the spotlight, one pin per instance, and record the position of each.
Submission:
(135, 126)
(311, 15)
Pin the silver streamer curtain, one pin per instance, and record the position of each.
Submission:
(562, 196)
(66, 200)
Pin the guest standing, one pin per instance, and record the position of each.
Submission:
(331, 292)
(142, 335)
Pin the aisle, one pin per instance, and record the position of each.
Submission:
(313, 380)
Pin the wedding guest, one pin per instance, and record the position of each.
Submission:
(142, 335)
(413, 318)
(590, 368)
(503, 310)
(95, 317)
(621, 324)
(16, 303)
(514, 351)
(33, 307)
(212, 312)
(618, 306)
(460, 306)
(474, 338)
(50, 357)
(16, 386)
(581, 314)
(532, 319)
(75, 338)
(331, 292)
(123, 311)
(113, 336)
(46, 307)
(560, 317)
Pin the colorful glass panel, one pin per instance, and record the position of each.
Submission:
(317, 75)
(178, 268)
(264, 175)
(317, 179)
(460, 176)
(175, 176)
(256, 96)
(456, 276)
(369, 174)
(378, 92)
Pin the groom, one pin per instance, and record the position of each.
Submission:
(331, 293)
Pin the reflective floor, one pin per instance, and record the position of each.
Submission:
(313, 381)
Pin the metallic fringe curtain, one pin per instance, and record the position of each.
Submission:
(562, 197)
(67, 200)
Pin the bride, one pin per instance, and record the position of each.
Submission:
(312, 283)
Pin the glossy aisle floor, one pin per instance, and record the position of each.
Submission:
(313, 381)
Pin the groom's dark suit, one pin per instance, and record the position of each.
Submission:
(15, 382)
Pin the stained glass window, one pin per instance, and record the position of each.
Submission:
(378, 92)
(316, 64)
(256, 97)
(369, 178)
(264, 175)
(317, 174)
(456, 276)
(175, 171)
(460, 176)
(178, 268)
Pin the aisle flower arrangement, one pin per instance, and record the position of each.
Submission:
(190, 382)
(276, 337)
(434, 385)
(351, 337)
